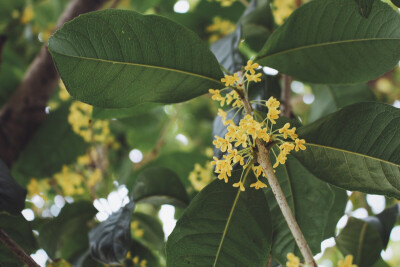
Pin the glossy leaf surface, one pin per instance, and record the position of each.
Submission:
(119, 59)
(327, 41)
(236, 231)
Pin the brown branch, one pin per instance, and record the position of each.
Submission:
(265, 162)
(286, 107)
(16, 249)
(22, 115)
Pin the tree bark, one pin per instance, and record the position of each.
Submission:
(24, 112)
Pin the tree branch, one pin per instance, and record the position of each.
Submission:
(16, 249)
(264, 160)
(22, 115)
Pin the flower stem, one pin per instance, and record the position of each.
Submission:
(265, 162)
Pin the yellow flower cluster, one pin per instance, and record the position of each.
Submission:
(27, 14)
(347, 262)
(39, 188)
(282, 10)
(219, 28)
(136, 261)
(201, 176)
(82, 124)
(239, 142)
(136, 230)
(69, 181)
(293, 261)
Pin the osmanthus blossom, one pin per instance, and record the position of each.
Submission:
(239, 142)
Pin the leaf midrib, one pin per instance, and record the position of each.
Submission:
(326, 44)
(353, 153)
(141, 65)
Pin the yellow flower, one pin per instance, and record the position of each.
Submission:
(241, 140)
(300, 144)
(137, 232)
(253, 77)
(284, 129)
(235, 156)
(258, 185)
(240, 185)
(251, 66)
(135, 260)
(222, 143)
(347, 262)
(143, 263)
(293, 261)
(272, 103)
(128, 255)
(200, 177)
(258, 170)
(273, 114)
(286, 147)
(230, 80)
(27, 15)
(222, 114)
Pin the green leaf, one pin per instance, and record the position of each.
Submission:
(336, 211)
(304, 192)
(356, 148)
(117, 113)
(160, 185)
(384, 222)
(222, 227)
(110, 241)
(12, 195)
(326, 41)
(330, 98)
(365, 7)
(53, 145)
(120, 59)
(66, 235)
(21, 232)
(361, 240)
(142, 6)
(153, 233)
(396, 3)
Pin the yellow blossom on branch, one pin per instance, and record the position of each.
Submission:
(293, 261)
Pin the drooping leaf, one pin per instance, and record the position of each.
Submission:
(12, 195)
(329, 98)
(66, 235)
(361, 240)
(336, 211)
(153, 233)
(222, 227)
(384, 222)
(356, 148)
(119, 59)
(227, 52)
(20, 231)
(365, 7)
(160, 185)
(326, 41)
(110, 240)
(52, 146)
(304, 192)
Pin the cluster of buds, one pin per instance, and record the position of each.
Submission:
(239, 142)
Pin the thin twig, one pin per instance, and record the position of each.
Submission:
(286, 107)
(16, 249)
(269, 260)
(265, 162)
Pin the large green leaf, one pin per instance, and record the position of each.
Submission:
(66, 235)
(327, 41)
(304, 192)
(21, 232)
(222, 227)
(336, 211)
(356, 148)
(53, 145)
(329, 98)
(119, 59)
(160, 185)
(361, 240)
